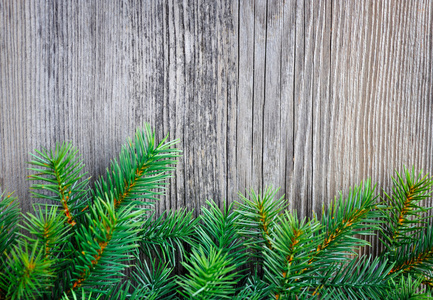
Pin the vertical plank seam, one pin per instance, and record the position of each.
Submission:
(252, 96)
(264, 96)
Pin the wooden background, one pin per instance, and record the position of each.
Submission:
(311, 96)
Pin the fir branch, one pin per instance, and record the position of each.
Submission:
(26, 274)
(210, 275)
(49, 228)
(122, 292)
(356, 215)
(417, 258)
(113, 223)
(221, 244)
(255, 289)
(62, 177)
(9, 218)
(104, 246)
(142, 169)
(287, 264)
(408, 288)
(405, 218)
(303, 248)
(154, 280)
(81, 295)
(257, 217)
(166, 236)
(218, 231)
(361, 278)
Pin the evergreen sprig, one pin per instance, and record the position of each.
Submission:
(408, 288)
(405, 219)
(155, 281)
(220, 250)
(345, 219)
(26, 274)
(79, 242)
(104, 246)
(9, 218)
(48, 226)
(361, 278)
(166, 236)
(288, 263)
(210, 275)
(63, 181)
(139, 175)
(257, 217)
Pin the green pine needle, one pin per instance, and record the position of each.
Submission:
(26, 274)
(165, 237)
(60, 172)
(9, 218)
(210, 275)
(405, 217)
(140, 171)
(258, 215)
(104, 246)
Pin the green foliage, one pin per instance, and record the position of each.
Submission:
(257, 217)
(210, 275)
(9, 218)
(288, 263)
(80, 242)
(355, 215)
(103, 247)
(217, 231)
(211, 269)
(408, 288)
(361, 278)
(49, 227)
(154, 281)
(405, 218)
(254, 289)
(60, 172)
(26, 274)
(165, 237)
(139, 172)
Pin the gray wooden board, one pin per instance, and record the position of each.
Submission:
(311, 96)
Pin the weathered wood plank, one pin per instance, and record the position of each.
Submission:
(245, 99)
(300, 190)
(310, 96)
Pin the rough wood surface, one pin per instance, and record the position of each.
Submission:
(311, 96)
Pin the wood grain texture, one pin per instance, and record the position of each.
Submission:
(312, 96)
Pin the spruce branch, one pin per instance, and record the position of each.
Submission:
(212, 268)
(408, 288)
(81, 295)
(287, 264)
(61, 173)
(257, 217)
(26, 274)
(141, 169)
(345, 218)
(361, 278)
(9, 218)
(122, 292)
(416, 258)
(113, 224)
(48, 227)
(105, 245)
(218, 231)
(255, 289)
(154, 280)
(165, 237)
(405, 218)
(210, 275)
